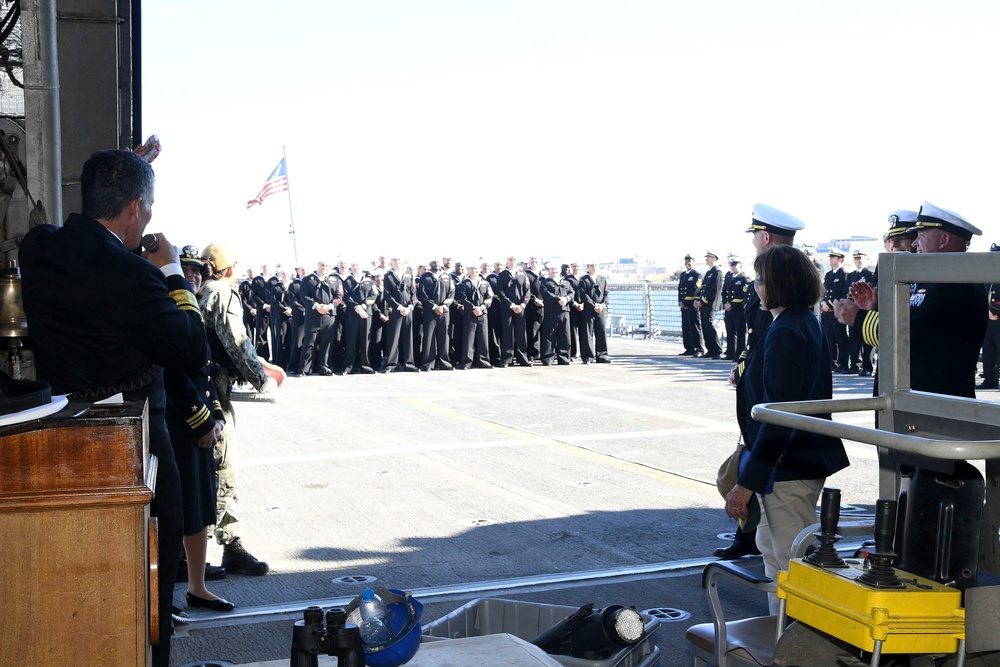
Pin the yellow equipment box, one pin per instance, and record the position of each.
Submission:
(922, 616)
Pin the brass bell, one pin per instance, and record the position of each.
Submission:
(13, 322)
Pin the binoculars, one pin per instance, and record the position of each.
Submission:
(311, 636)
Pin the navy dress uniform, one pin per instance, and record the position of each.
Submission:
(835, 286)
(557, 294)
(687, 290)
(476, 297)
(495, 315)
(279, 321)
(319, 326)
(860, 351)
(534, 313)
(734, 287)
(709, 296)
(359, 297)
(902, 224)
(947, 321)
(436, 292)
(575, 310)
(399, 301)
(296, 328)
(592, 292)
(248, 317)
(991, 343)
(148, 321)
(514, 295)
(258, 298)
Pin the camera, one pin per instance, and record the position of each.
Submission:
(312, 636)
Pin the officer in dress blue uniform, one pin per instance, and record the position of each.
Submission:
(592, 292)
(707, 301)
(687, 290)
(860, 351)
(835, 286)
(733, 294)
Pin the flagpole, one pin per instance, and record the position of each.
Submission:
(291, 216)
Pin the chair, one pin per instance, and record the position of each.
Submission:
(747, 642)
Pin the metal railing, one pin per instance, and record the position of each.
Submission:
(931, 426)
(648, 309)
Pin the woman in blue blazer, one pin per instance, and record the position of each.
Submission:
(786, 468)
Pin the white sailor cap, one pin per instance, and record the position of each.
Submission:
(859, 255)
(769, 219)
(931, 216)
(836, 252)
(900, 223)
(709, 253)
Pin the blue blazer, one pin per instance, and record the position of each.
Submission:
(793, 364)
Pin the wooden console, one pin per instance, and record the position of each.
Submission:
(75, 535)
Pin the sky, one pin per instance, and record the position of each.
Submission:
(564, 128)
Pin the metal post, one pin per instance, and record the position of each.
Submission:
(291, 217)
(649, 308)
(43, 161)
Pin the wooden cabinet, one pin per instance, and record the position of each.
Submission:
(74, 540)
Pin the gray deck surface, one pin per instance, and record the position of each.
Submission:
(559, 485)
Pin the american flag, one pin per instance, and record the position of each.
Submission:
(276, 182)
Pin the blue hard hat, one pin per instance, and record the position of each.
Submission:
(402, 612)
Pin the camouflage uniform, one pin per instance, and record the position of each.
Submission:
(234, 352)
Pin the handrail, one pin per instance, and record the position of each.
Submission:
(796, 415)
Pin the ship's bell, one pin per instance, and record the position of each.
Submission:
(13, 322)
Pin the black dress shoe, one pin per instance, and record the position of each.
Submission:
(983, 385)
(603, 360)
(685, 353)
(698, 355)
(738, 549)
(714, 357)
(213, 605)
(865, 374)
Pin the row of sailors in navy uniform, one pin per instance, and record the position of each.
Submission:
(851, 356)
(355, 321)
(700, 297)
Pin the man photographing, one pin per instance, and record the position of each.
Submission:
(106, 321)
